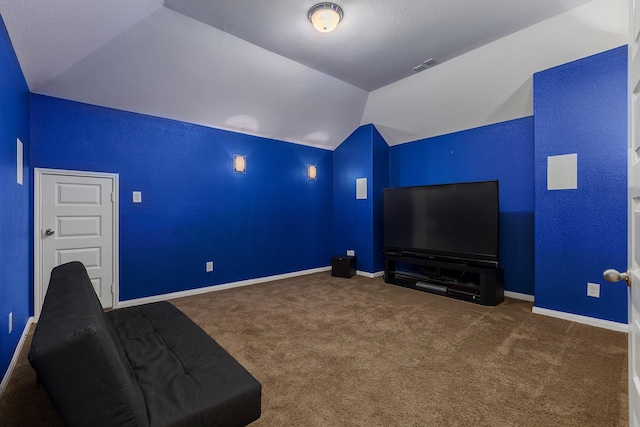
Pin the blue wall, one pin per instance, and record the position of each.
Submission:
(502, 151)
(581, 107)
(268, 221)
(358, 223)
(15, 226)
(380, 162)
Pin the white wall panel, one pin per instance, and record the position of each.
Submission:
(175, 67)
(493, 83)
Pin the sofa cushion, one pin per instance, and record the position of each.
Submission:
(185, 376)
(82, 368)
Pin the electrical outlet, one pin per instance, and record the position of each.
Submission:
(351, 252)
(593, 290)
(10, 322)
(209, 266)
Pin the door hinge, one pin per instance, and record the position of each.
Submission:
(112, 198)
(113, 289)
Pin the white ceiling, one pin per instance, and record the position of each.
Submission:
(253, 67)
(379, 41)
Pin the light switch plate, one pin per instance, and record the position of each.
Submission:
(209, 266)
(137, 197)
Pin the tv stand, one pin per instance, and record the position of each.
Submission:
(479, 284)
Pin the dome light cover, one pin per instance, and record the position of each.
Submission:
(325, 16)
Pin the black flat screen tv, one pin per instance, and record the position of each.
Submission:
(453, 222)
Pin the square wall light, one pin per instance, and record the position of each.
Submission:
(239, 163)
(312, 172)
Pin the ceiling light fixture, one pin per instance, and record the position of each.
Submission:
(325, 16)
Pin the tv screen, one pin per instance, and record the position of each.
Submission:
(458, 221)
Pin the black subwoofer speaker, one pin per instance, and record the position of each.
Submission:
(343, 266)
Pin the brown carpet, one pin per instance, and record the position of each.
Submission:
(358, 352)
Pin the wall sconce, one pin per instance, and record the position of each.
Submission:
(312, 172)
(239, 163)
(325, 16)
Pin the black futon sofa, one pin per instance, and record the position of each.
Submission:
(148, 365)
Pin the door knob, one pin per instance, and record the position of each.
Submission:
(49, 232)
(612, 275)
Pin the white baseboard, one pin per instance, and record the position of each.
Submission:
(198, 291)
(518, 295)
(370, 275)
(607, 324)
(16, 354)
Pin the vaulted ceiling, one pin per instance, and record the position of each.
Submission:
(255, 67)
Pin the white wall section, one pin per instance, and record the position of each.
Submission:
(493, 83)
(224, 82)
(55, 39)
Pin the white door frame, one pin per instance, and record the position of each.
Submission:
(633, 253)
(38, 278)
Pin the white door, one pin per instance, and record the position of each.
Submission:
(76, 220)
(634, 214)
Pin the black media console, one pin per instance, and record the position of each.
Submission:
(479, 284)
